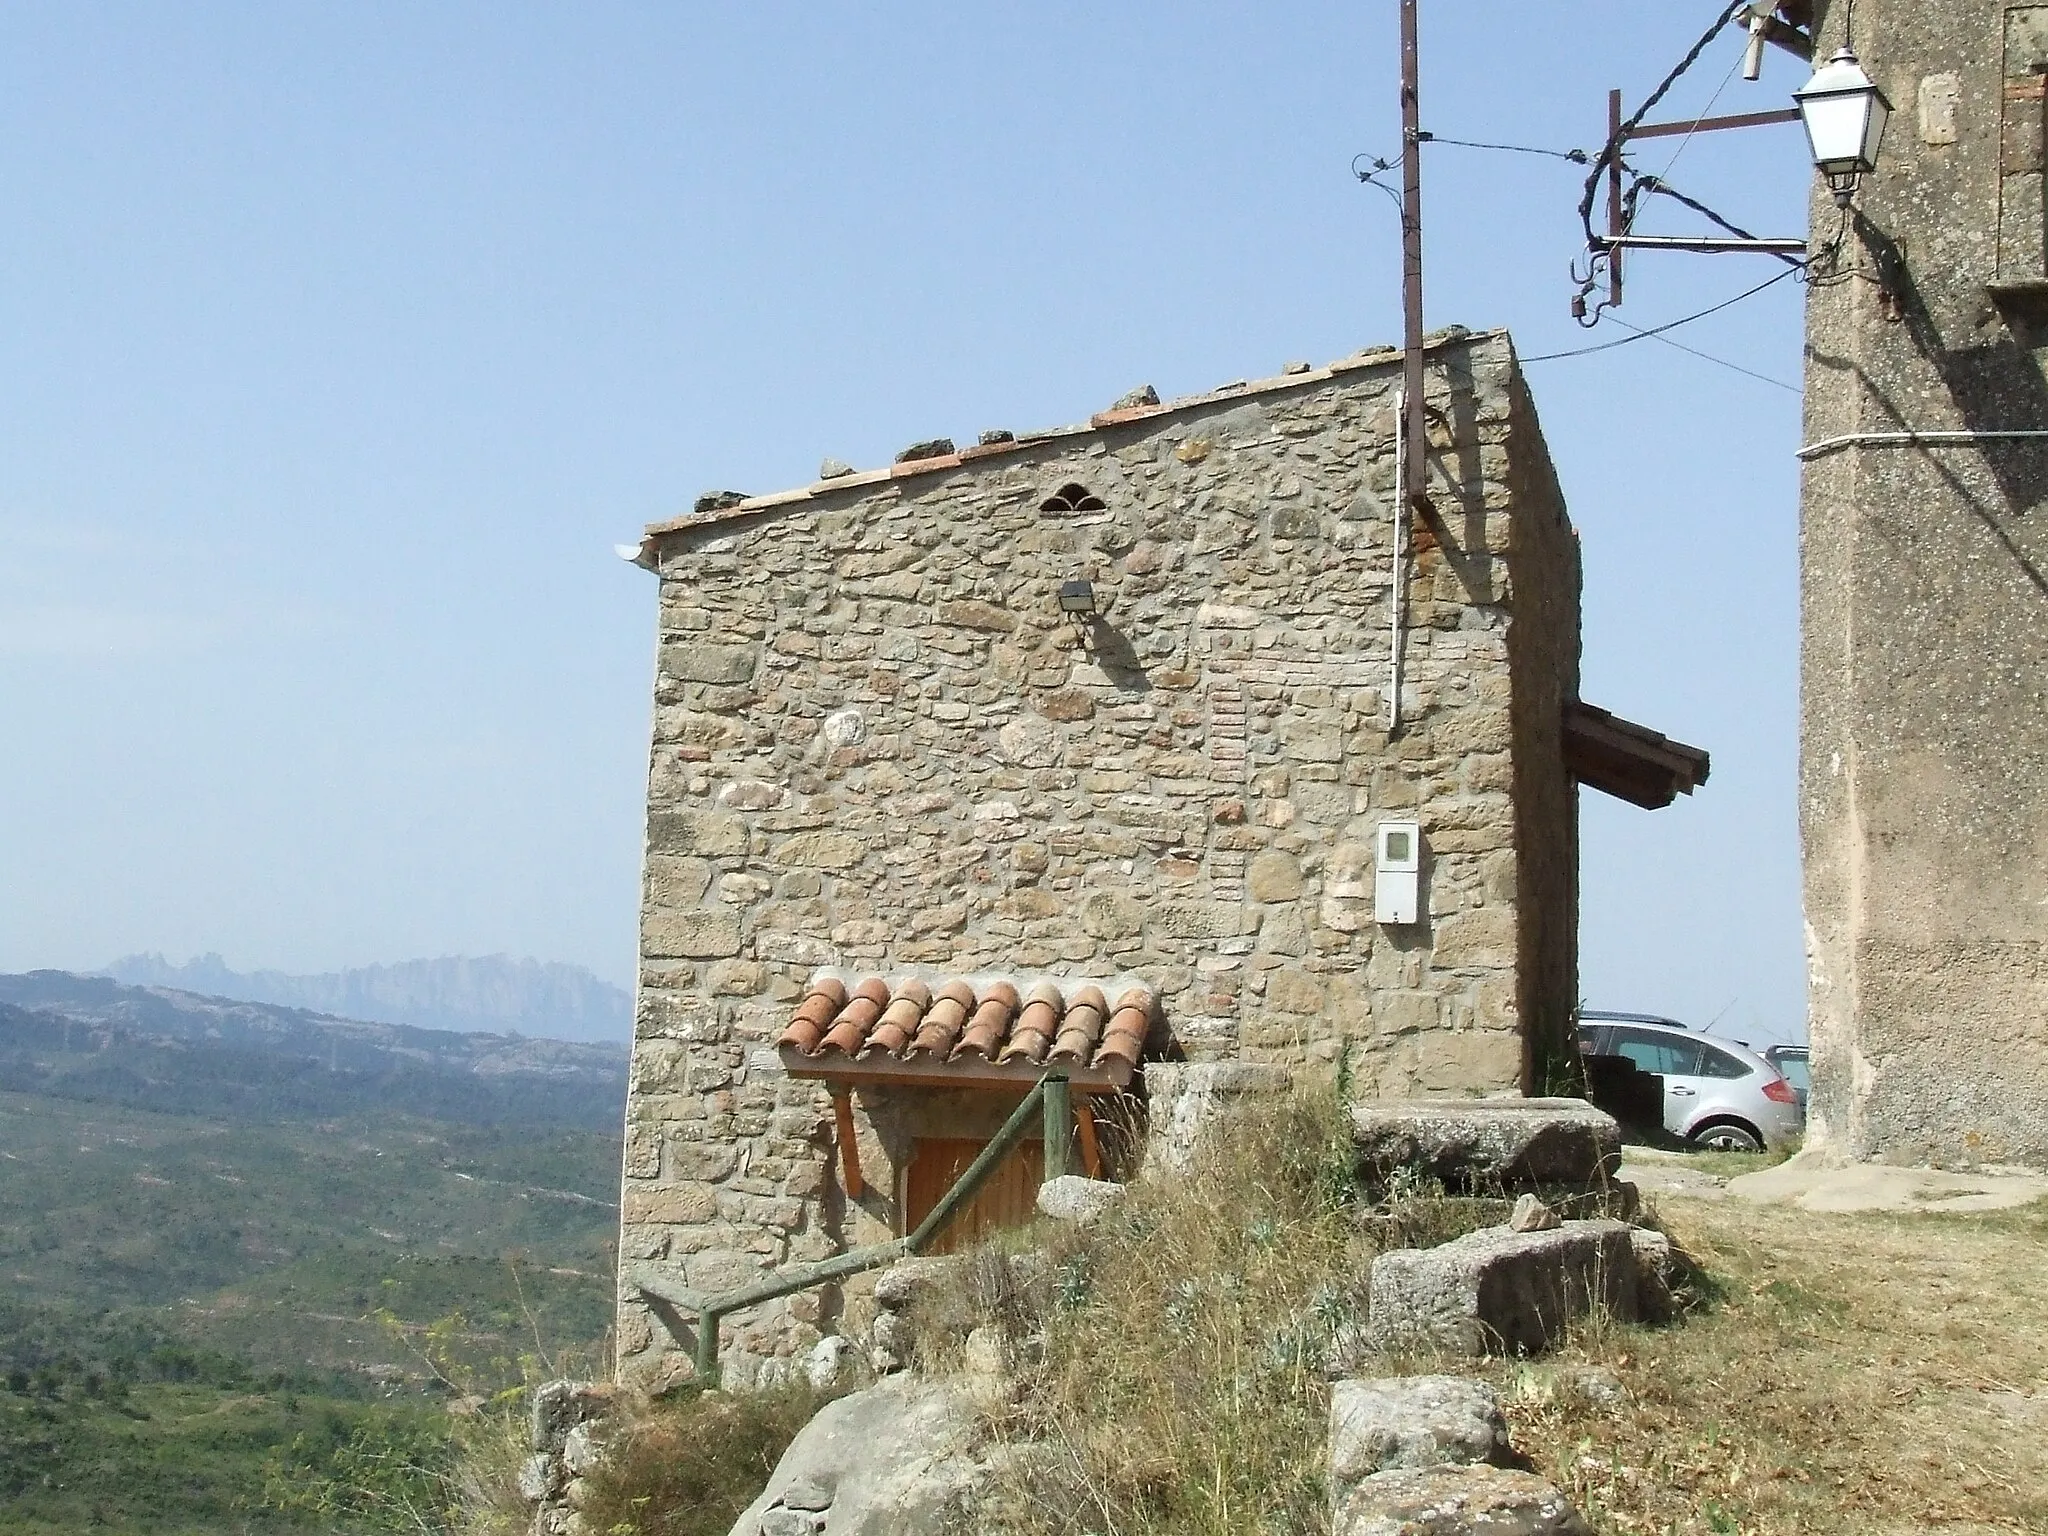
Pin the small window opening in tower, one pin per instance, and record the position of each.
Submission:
(1073, 498)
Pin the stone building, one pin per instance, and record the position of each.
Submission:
(1924, 558)
(1076, 748)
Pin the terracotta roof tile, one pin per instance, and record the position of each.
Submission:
(909, 467)
(958, 1031)
(989, 450)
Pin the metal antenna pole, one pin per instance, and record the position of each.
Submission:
(1614, 229)
(1414, 422)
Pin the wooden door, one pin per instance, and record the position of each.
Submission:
(1009, 1198)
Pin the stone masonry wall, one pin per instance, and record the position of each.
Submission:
(878, 743)
(1543, 653)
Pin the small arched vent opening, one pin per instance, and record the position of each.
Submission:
(1073, 498)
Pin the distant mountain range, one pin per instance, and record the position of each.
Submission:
(95, 1039)
(494, 993)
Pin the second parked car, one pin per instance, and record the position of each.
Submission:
(1716, 1093)
(1791, 1060)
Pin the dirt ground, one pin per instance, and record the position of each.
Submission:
(1883, 1373)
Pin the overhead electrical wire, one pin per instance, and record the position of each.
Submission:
(1612, 149)
(1663, 188)
(1655, 332)
(1611, 157)
(1576, 156)
(1600, 254)
(1708, 357)
(1693, 128)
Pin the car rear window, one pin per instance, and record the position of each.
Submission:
(1666, 1055)
(1715, 1063)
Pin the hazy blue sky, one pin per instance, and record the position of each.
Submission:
(342, 342)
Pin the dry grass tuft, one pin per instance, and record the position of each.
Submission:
(1182, 1387)
(689, 1466)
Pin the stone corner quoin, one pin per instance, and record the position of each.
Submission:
(880, 746)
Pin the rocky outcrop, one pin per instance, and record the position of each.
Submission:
(1411, 1421)
(1077, 1199)
(903, 1294)
(567, 1439)
(920, 1306)
(1502, 1291)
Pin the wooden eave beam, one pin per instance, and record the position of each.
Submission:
(1629, 761)
(887, 1072)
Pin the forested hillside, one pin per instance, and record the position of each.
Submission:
(247, 1250)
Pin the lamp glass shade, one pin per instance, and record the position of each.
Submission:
(1845, 116)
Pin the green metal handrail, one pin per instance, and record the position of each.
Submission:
(1051, 1094)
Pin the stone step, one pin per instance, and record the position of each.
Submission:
(1488, 1146)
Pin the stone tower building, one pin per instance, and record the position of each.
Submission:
(1078, 748)
(1924, 549)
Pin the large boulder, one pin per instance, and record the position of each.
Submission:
(1457, 1501)
(1501, 1291)
(910, 1282)
(903, 1458)
(1488, 1146)
(1184, 1101)
(1411, 1421)
(1077, 1199)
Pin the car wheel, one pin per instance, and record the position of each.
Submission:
(1725, 1136)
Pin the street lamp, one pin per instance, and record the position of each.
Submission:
(1845, 115)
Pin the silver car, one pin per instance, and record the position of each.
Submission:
(1716, 1093)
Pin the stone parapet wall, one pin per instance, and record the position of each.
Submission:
(878, 743)
(1543, 649)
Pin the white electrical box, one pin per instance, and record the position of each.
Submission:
(1397, 879)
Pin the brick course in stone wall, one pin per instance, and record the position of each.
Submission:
(879, 744)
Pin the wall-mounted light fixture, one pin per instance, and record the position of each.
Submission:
(1845, 116)
(1077, 599)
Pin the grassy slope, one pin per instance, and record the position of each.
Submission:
(1882, 1375)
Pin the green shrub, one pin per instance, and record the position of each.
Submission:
(389, 1471)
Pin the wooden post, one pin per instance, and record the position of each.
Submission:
(707, 1348)
(1059, 1128)
(1415, 421)
(849, 1148)
(1091, 1149)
